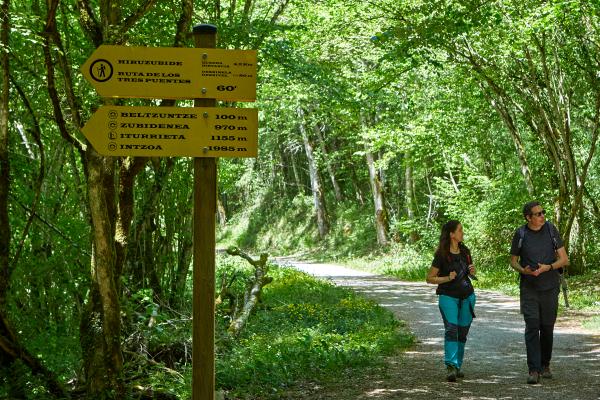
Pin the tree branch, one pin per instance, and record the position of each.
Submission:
(89, 23)
(253, 291)
(184, 22)
(53, 93)
(52, 227)
(135, 17)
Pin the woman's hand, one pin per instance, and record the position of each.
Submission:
(472, 269)
(452, 275)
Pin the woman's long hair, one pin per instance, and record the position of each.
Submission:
(443, 248)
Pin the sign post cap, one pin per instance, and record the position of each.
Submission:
(205, 28)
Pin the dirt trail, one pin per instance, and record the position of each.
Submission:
(495, 362)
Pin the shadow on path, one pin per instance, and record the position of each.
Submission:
(495, 362)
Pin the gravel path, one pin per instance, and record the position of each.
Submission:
(495, 363)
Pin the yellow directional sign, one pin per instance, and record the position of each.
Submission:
(174, 131)
(172, 73)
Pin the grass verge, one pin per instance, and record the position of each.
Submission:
(305, 329)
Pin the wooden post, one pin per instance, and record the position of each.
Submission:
(205, 195)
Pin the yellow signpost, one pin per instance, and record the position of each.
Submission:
(205, 132)
(172, 73)
(174, 131)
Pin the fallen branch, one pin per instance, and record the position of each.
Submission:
(253, 290)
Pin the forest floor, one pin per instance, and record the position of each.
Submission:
(495, 360)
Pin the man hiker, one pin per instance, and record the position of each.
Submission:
(537, 253)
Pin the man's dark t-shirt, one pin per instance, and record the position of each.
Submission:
(537, 247)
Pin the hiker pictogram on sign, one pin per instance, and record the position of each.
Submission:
(101, 70)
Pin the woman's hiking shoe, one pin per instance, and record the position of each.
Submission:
(451, 373)
(459, 373)
(546, 373)
(534, 377)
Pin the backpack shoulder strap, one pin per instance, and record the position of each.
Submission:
(551, 229)
(467, 253)
(521, 231)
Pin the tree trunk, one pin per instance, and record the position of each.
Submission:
(328, 164)
(221, 214)
(147, 236)
(297, 180)
(381, 223)
(4, 159)
(184, 260)
(315, 180)
(360, 196)
(431, 207)
(377, 191)
(101, 324)
(409, 195)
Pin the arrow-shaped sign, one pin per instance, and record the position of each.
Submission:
(172, 73)
(174, 131)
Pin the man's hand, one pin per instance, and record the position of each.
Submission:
(542, 268)
(527, 270)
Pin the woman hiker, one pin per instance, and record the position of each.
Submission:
(452, 270)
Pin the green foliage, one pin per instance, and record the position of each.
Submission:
(17, 382)
(593, 323)
(584, 292)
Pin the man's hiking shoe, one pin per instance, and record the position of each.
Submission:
(451, 373)
(534, 377)
(459, 373)
(546, 373)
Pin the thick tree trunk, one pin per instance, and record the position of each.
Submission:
(6, 333)
(315, 180)
(101, 323)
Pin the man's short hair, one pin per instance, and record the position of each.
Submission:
(528, 207)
